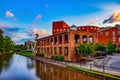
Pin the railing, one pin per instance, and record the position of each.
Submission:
(99, 68)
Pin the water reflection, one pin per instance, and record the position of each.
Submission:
(52, 72)
(5, 61)
(30, 64)
(18, 68)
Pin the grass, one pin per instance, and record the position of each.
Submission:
(25, 53)
(94, 72)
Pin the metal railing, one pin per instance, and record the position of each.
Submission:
(99, 68)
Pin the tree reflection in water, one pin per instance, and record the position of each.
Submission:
(5, 61)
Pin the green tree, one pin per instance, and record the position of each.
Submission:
(99, 47)
(90, 49)
(110, 47)
(85, 49)
(1, 40)
(8, 45)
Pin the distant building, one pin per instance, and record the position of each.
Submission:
(29, 45)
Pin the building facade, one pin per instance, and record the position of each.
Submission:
(111, 33)
(29, 45)
(65, 39)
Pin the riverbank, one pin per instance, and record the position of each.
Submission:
(83, 70)
(27, 54)
(94, 72)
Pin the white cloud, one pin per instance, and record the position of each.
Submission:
(110, 7)
(20, 35)
(40, 32)
(9, 14)
(38, 17)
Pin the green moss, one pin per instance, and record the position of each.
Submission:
(25, 53)
(94, 72)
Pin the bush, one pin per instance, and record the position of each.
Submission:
(52, 57)
(41, 55)
(60, 58)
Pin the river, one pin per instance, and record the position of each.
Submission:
(17, 67)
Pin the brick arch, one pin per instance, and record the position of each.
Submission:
(84, 38)
(76, 38)
(91, 39)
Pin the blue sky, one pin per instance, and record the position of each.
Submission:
(20, 18)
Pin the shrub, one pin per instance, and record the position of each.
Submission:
(52, 57)
(41, 55)
(60, 58)
(55, 57)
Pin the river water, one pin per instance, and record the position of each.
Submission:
(18, 67)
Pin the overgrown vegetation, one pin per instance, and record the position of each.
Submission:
(94, 72)
(6, 44)
(25, 53)
(58, 57)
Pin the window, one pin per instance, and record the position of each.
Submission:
(113, 33)
(60, 29)
(119, 39)
(106, 33)
(100, 33)
(118, 33)
(113, 39)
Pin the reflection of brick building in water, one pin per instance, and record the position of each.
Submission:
(65, 39)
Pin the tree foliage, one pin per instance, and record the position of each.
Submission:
(85, 49)
(99, 47)
(6, 44)
(110, 47)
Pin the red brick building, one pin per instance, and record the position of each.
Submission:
(110, 33)
(89, 29)
(64, 41)
(59, 27)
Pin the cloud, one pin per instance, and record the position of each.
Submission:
(38, 17)
(9, 14)
(115, 17)
(110, 7)
(20, 35)
(40, 32)
(8, 29)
